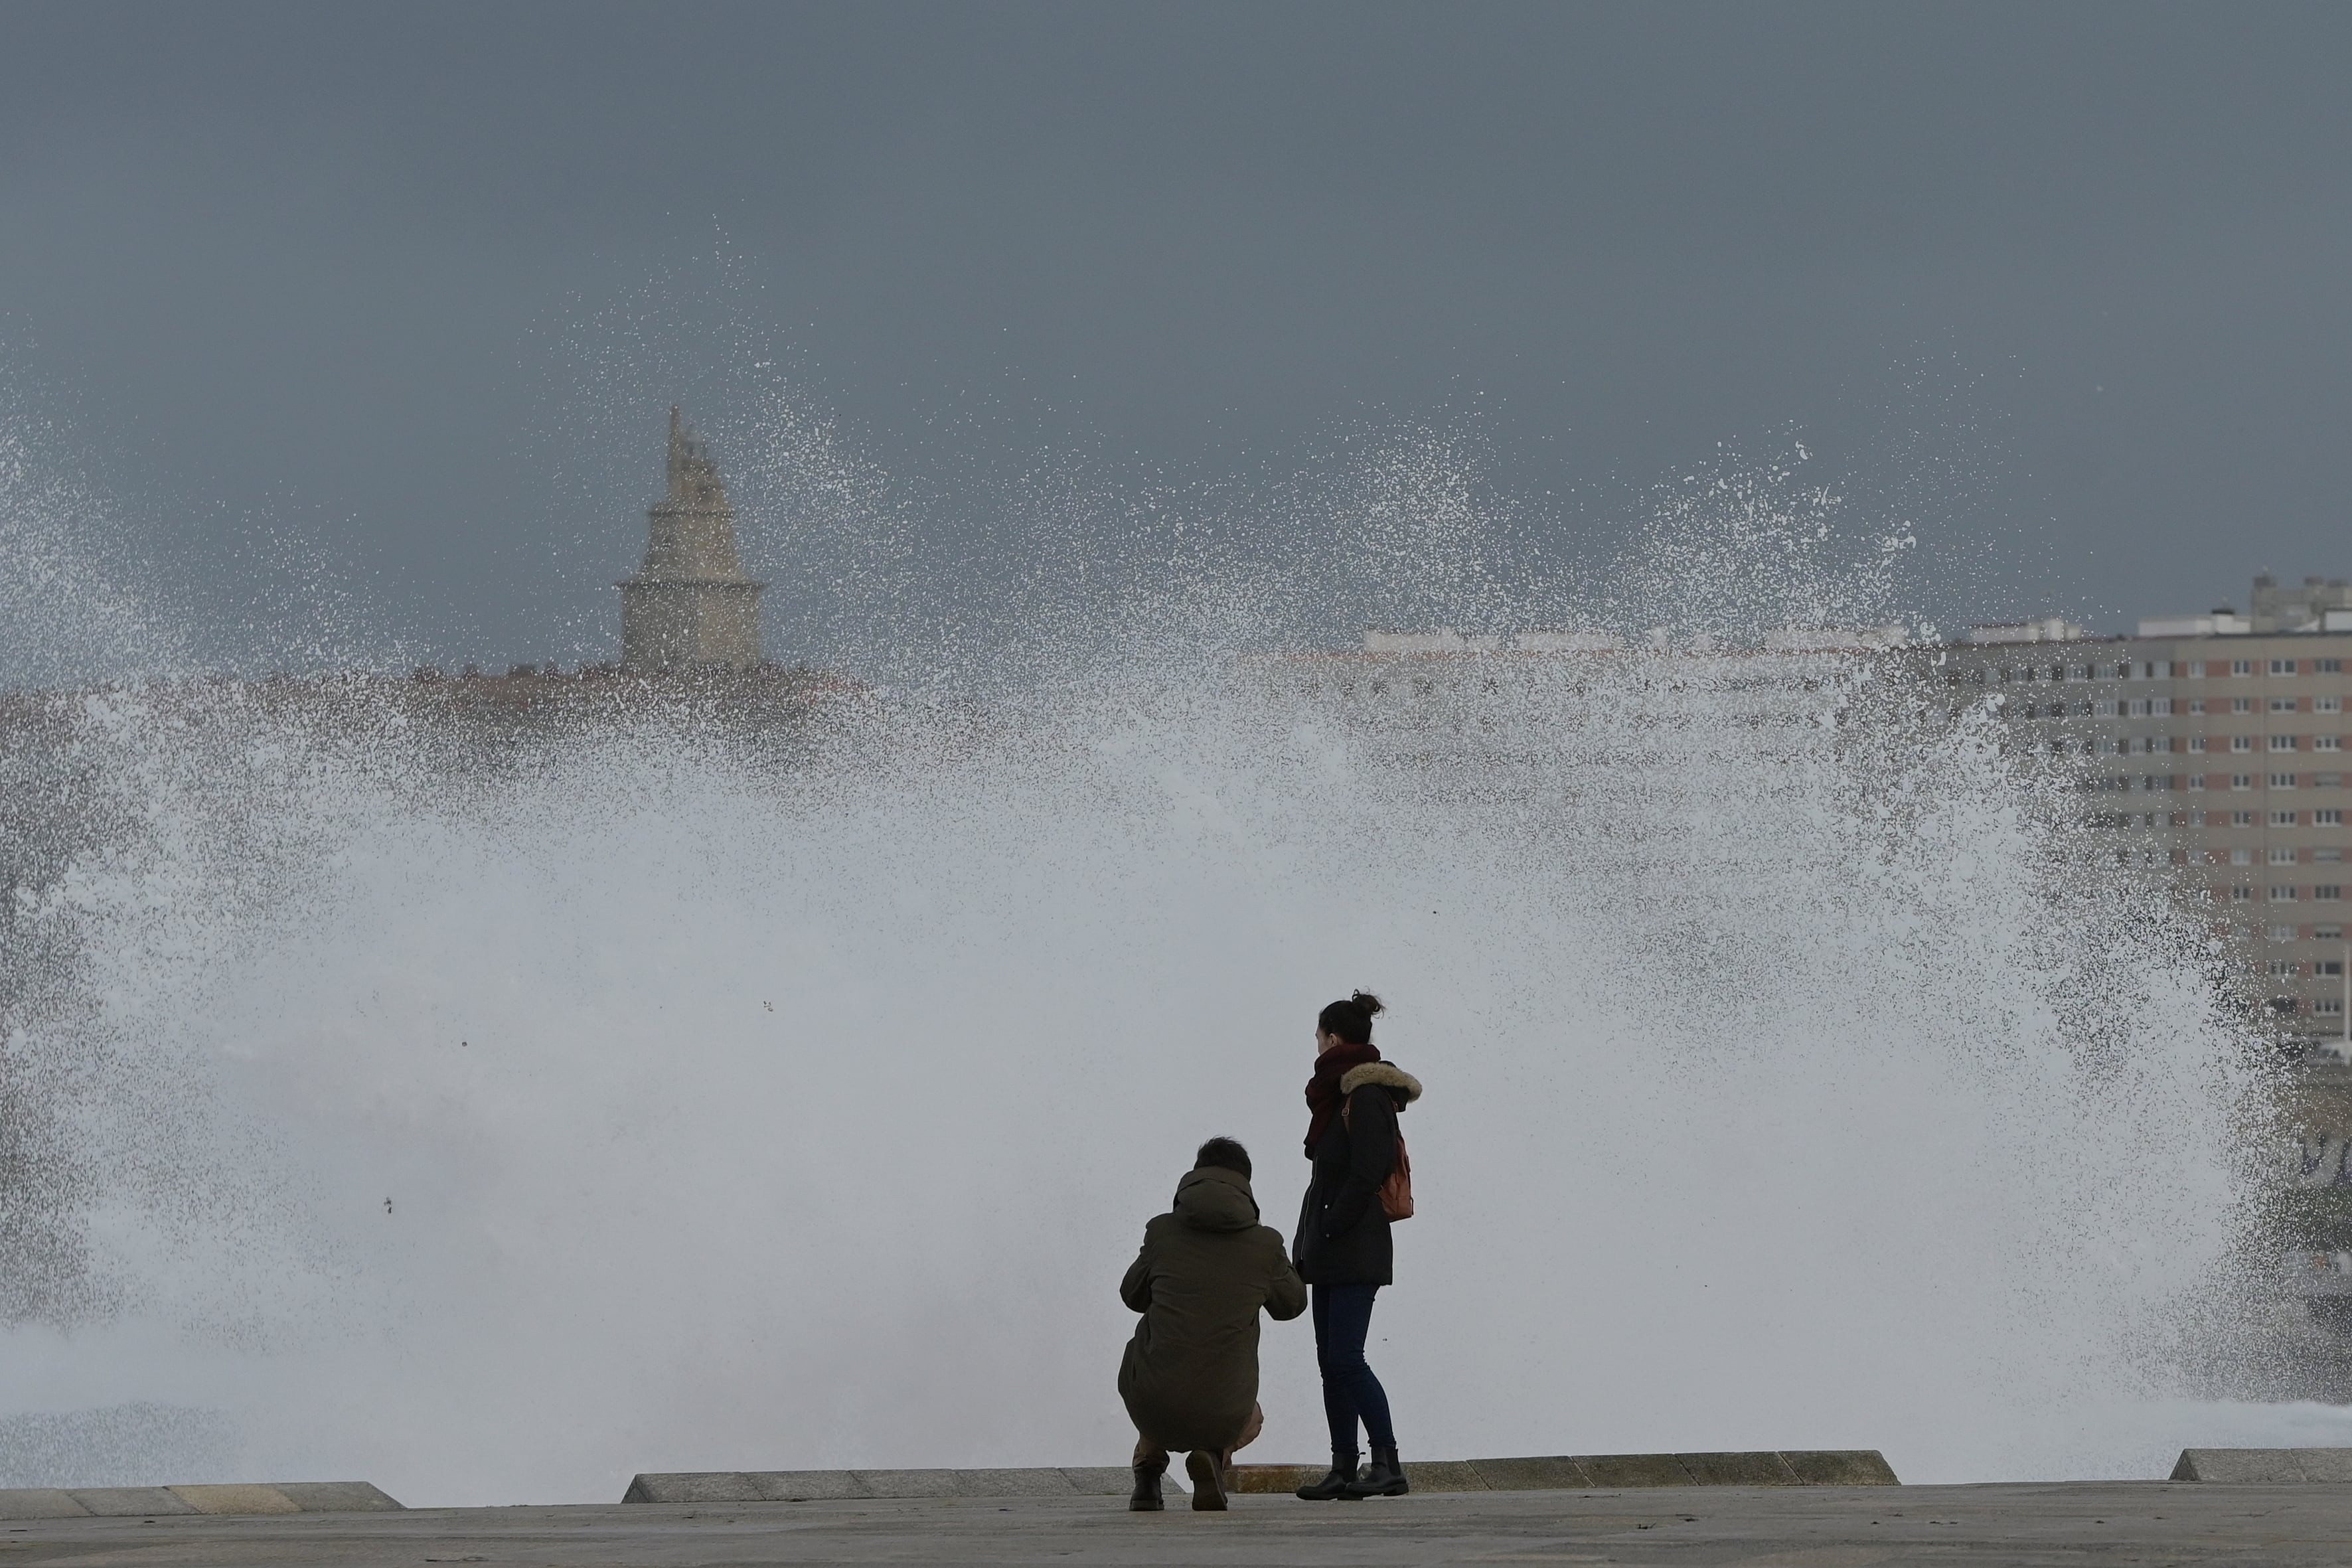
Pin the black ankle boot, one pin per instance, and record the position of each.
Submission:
(1208, 1481)
(1382, 1477)
(1145, 1498)
(1336, 1484)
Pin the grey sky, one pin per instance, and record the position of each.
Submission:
(2065, 286)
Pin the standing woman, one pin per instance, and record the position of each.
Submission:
(1342, 1249)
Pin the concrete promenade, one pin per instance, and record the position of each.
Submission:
(1787, 1527)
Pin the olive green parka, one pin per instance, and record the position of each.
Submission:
(1190, 1376)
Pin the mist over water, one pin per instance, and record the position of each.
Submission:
(495, 1122)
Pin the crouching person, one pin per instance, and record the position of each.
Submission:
(1190, 1376)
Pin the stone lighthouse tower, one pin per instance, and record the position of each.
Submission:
(690, 605)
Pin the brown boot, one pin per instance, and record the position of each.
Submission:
(1145, 1498)
(1208, 1486)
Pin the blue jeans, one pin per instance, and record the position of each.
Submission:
(1343, 1316)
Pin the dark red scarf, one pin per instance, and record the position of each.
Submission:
(1323, 1095)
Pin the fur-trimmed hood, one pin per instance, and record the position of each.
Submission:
(1388, 1075)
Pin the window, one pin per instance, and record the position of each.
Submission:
(2282, 704)
(2242, 666)
(2327, 892)
(2281, 781)
(2138, 708)
(2197, 743)
(2281, 667)
(2281, 819)
(2197, 705)
(2327, 933)
(2280, 966)
(2196, 670)
(2282, 934)
(2282, 856)
(2327, 816)
(2282, 742)
(2282, 895)
(2326, 743)
(2105, 709)
(2106, 745)
(2161, 706)
(2335, 855)
(2160, 671)
(2242, 704)
(2241, 856)
(2325, 780)
(2196, 819)
(2285, 1005)
(2331, 1005)
(2328, 667)
(2241, 819)
(2241, 743)
(2197, 781)
(2242, 781)
(2241, 895)
(2326, 965)
(2327, 705)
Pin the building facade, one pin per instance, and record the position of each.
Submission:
(690, 605)
(2216, 750)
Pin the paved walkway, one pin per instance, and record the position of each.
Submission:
(2119, 1522)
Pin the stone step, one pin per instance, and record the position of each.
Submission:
(825, 1486)
(2265, 1467)
(1582, 1472)
(1603, 1472)
(156, 1502)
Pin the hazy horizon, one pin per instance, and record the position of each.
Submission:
(384, 311)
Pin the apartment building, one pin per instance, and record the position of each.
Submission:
(2213, 745)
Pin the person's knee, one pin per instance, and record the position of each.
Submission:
(1344, 1363)
(1252, 1427)
(1339, 1365)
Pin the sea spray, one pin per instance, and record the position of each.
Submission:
(492, 1089)
(494, 1121)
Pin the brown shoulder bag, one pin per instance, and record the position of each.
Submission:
(1396, 1192)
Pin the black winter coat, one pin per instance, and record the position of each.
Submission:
(1343, 1237)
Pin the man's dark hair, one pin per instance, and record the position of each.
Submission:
(1225, 1155)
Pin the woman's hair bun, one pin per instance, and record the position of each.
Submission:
(1351, 1020)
